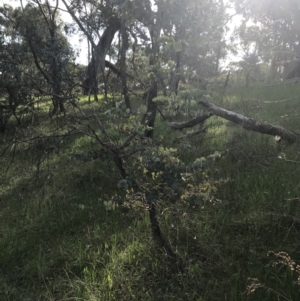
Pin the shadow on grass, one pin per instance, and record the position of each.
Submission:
(47, 214)
(59, 241)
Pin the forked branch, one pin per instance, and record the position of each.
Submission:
(247, 123)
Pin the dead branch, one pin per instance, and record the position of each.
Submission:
(250, 123)
(161, 114)
(190, 123)
(188, 135)
(128, 140)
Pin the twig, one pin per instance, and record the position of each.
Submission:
(13, 156)
(128, 140)
(188, 135)
(190, 123)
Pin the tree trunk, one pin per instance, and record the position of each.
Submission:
(163, 85)
(155, 29)
(155, 226)
(218, 59)
(123, 65)
(97, 63)
(149, 118)
(176, 75)
(273, 70)
(13, 103)
(247, 78)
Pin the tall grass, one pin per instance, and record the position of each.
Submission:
(60, 240)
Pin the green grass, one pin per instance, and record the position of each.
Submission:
(58, 240)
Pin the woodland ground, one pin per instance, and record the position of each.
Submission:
(60, 241)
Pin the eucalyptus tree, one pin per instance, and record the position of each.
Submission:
(98, 23)
(159, 41)
(274, 29)
(39, 29)
(49, 47)
(15, 64)
(188, 42)
(197, 28)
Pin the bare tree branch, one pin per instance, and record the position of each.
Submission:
(250, 123)
(188, 135)
(190, 123)
(128, 140)
(89, 37)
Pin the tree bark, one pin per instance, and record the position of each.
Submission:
(124, 48)
(175, 76)
(149, 118)
(97, 63)
(54, 76)
(156, 232)
(251, 124)
(247, 123)
(155, 227)
(190, 123)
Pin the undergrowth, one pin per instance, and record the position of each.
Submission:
(66, 233)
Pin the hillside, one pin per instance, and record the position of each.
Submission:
(69, 233)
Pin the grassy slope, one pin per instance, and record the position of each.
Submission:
(58, 241)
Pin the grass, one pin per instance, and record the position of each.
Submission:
(59, 241)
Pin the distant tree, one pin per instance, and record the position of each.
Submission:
(15, 63)
(158, 43)
(39, 29)
(99, 25)
(274, 29)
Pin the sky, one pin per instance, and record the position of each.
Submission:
(80, 43)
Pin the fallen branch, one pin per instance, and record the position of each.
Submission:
(188, 135)
(190, 123)
(251, 124)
